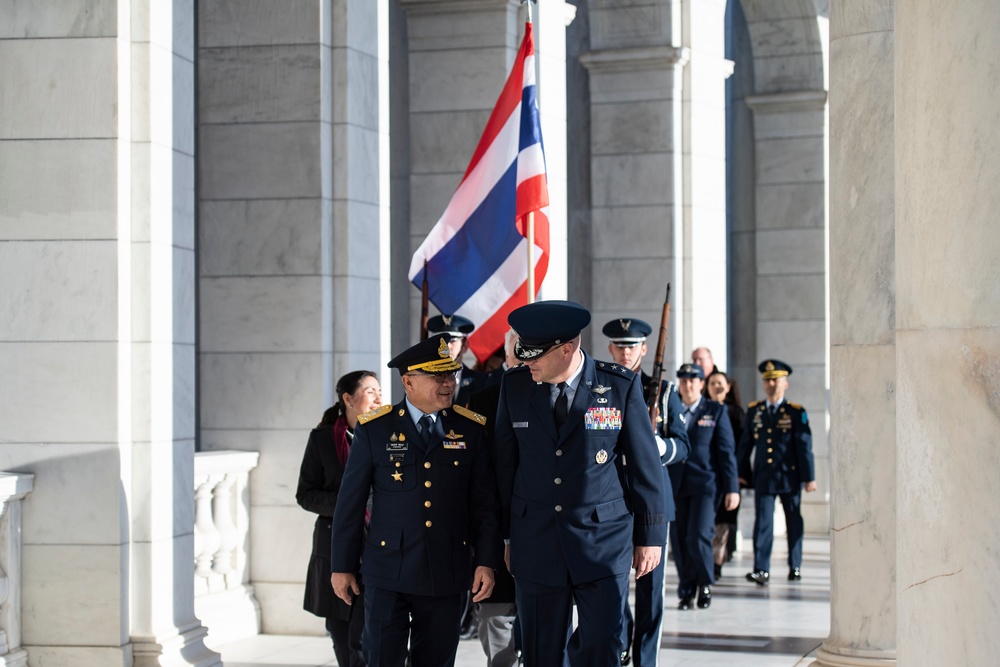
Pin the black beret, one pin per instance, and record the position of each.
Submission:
(427, 356)
(690, 371)
(456, 325)
(627, 332)
(545, 324)
(772, 368)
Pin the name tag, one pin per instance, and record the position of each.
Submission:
(397, 446)
(520, 424)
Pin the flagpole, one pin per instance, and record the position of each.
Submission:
(531, 218)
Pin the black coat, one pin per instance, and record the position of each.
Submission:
(319, 484)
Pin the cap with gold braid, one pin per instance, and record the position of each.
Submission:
(772, 368)
(427, 356)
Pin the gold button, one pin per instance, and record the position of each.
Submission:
(756, 437)
(769, 450)
(769, 441)
(456, 462)
(558, 481)
(427, 503)
(793, 467)
(427, 464)
(768, 430)
(427, 484)
(769, 460)
(382, 543)
(428, 524)
(397, 464)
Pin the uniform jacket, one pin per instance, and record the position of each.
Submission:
(430, 505)
(568, 505)
(319, 483)
(710, 468)
(470, 382)
(784, 459)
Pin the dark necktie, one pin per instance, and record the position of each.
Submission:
(561, 408)
(770, 411)
(425, 425)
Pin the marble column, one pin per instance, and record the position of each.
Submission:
(98, 368)
(291, 203)
(635, 67)
(947, 160)
(863, 350)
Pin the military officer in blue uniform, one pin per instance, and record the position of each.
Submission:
(469, 381)
(783, 465)
(627, 346)
(433, 531)
(705, 480)
(576, 518)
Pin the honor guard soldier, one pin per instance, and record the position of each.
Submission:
(433, 530)
(577, 520)
(459, 328)
(628, 347)
(706, 480)
(779, 430)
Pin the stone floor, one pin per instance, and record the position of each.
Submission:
(746, 626)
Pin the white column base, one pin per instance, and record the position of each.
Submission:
(844, 657)
(16, 658)
(186, 649)
(230, 616)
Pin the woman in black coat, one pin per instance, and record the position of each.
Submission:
(720, 388)
(319, 483)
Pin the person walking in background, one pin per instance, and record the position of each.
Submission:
(320, 476)
(705, 481)
(577, 520)
(724, 543)
(459, 328)
(433, 532)
(779, 430)
(642, 631)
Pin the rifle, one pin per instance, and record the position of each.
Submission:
(423, 305)
(655, 387)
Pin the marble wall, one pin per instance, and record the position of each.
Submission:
(290, 201)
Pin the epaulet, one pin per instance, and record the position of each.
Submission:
(374, 414)
(794, 405)
(754, 405)
(469, 414)
(615, 369)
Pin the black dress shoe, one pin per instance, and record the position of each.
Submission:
(795, 574)
(759, 577)
(718, 570)
(686, 603)
(704, 597)
(625, 658)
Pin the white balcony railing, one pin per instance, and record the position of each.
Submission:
(13, 487)
(224, 599)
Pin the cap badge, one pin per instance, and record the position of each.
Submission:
(602, 457)
(769, 366)
(443, 349)
(447, 319)
(626, 324)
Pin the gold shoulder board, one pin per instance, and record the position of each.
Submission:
(795, 405)
(466, 412)
(754, 405)
(374, 414)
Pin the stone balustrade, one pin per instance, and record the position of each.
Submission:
(13, 487)
(224, 598)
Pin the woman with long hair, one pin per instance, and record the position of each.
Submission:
(319, 483)
(720, 388)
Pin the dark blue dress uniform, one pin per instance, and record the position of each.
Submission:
(783, 463)
(572, 511)
(700, 484)
(433, 520)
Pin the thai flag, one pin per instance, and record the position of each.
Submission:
(477, 253)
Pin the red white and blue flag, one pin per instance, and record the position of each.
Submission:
(477, 253)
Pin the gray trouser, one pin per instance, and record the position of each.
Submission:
(496, 633)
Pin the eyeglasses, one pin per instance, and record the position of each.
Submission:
(440, 378)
